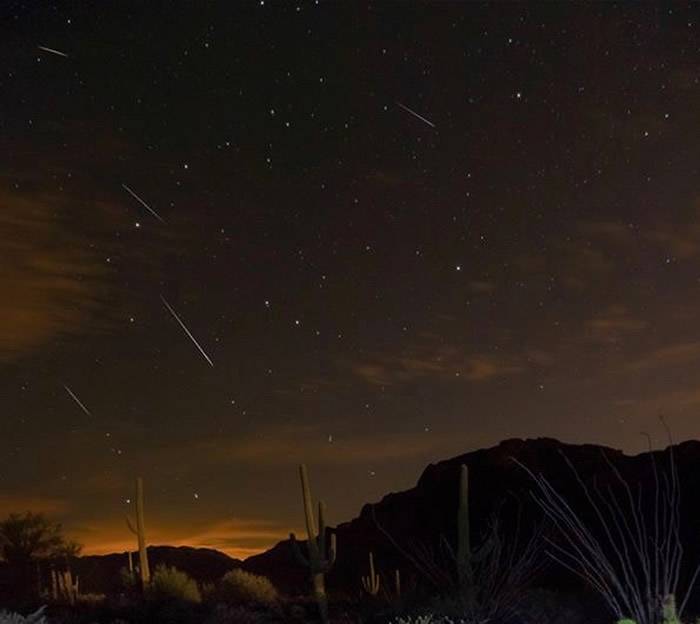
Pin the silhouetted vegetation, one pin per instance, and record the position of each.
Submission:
(627, 549)
(623, 540)
(241, 587)
(29, 543)
(170, 584)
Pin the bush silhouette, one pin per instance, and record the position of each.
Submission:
(170, 584)
(241, 587)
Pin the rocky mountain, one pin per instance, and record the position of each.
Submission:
(422, 516)
(499, 484)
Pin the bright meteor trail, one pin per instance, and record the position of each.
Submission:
(143, 203)
(77, 400)
(52, 51)
(415, 114)
(187, 331)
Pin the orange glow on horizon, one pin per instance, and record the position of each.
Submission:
(236, 538)
(121, 546)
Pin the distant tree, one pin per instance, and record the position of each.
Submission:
(29, 537)
(68, 550)
(25, 540)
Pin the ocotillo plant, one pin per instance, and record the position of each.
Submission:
(140, 533)
(397, 584)
(372, 582)
(318, 561)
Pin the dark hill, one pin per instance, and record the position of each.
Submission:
(100, 573)
(420, 515)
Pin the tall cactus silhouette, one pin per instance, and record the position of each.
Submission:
(372, 582)
(64, 587)
(465, 570)
(318, 561)
(140, 533)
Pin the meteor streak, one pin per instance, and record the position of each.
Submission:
(77, 400)
(415, 114)
(187, 331)
(52, 51)
(143, 203)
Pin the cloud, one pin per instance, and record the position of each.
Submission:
(22, 503)
(481, 287)
(610, 231)
(237, 537)
(294, 445)
(612, 324)
(682, 404)
(679, 238)
(680, 354)
(50, 283)
(681, 241)
(54, 276)
(444, 362)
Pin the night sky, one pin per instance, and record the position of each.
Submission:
(400, 232)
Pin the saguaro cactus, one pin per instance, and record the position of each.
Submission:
(465, 571)
(63, 587)
(372, 582)
(140, 533)
(318, 561)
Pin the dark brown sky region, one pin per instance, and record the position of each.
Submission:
(398, 231)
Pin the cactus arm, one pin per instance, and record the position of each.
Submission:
(332, 551)
(321, 539)
(296, 551)
(143, 553)
(131, 526)
(308, 506)
(372, 582)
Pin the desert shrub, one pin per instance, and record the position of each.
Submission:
(427, 619)
(207, 591)
(38, 617)
(229, 614)
(90, 599)
(171, 584)
(239, 586)
(542, 605)
(128, 579)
